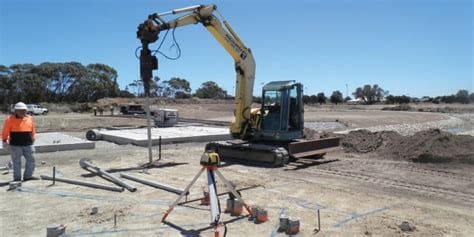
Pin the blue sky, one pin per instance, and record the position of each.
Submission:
(411, 47)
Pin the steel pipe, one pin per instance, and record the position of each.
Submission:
(87, 165)
(82, 183)
(93, 135)
(153, 184)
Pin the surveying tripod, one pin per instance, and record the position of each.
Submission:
(210, 162)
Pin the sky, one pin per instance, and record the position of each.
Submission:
(408, 47)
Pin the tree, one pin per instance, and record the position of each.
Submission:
(390, 99)
(471, 97)
(426, 99)
(448, 99)
(306, 99)
(321, 98)
(3, 83)
(137, 84)
(155, 88)
(370, 94)
(32, 88)
(99, 81)
(211, 90)
(126, 94)
(61, 78)
(182, 95)
(336, 97)
(18, 82)
(174, 85)
(347, 99)
(106, 77)
(57, 82)
(462, 96)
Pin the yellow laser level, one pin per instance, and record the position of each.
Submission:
(210, 158)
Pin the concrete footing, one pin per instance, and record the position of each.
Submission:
(54, 141)
(168, 135)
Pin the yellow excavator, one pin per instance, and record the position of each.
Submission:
(271, 134)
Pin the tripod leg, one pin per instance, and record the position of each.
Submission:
(215, 207)
(186, 190)
(233, 191)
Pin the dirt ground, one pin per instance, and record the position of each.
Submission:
(357, 194)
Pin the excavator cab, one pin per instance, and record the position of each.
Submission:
(281, 112)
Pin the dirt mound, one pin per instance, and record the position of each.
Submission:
(434, 146)
(363, 141)
(309, 133)
(426, 146)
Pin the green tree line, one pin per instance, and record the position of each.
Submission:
(73, 82)
(57, 82)
(371, 94)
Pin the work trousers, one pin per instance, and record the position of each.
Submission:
(17, 152)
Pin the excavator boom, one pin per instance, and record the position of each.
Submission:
(148, 33)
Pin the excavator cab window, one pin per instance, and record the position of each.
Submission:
(281, 110)
(271, 110)
(272, 100)
(294, 109)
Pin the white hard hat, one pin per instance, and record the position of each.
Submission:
(20, 106)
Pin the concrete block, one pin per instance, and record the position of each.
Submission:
(54, 141)
(192, 133)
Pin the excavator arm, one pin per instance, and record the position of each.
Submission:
(148, 33)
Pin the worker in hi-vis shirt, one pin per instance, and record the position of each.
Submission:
(18, 137)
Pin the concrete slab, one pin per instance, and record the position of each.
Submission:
(54, 141)
(191, 133)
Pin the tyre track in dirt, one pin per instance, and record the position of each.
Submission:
(388, 165)
(334, 170)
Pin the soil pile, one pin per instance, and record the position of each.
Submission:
(426, 146)
(364, 141)
(309, 134)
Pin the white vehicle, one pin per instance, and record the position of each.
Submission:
(165, 117)
(36, 109)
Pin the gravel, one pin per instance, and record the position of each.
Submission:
(324, 126)
(457, 124)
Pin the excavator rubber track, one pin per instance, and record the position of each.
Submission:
(273, 155)
(253, 153)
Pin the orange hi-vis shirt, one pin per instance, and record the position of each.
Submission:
(19, 131)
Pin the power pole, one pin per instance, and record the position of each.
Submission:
(347, 91)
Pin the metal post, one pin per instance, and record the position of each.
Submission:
(115, 220)
(159, 149)
(319, 224)
(82, 183)
(87, 165)
(153, 184)
(54, 175)
(148, 124)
